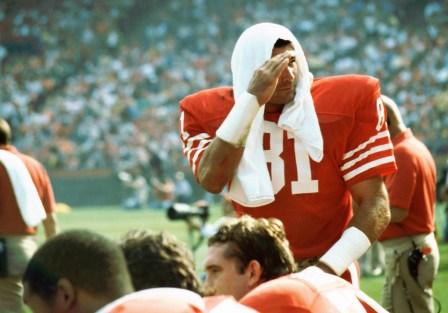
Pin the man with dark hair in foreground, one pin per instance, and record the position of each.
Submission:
(75, 271)
(158, 260)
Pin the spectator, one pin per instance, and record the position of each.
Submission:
(27, 200)
(412, 255)
(70, 94)
(163, 192)
(136, 188)
(183, 191)
(158, 260)
(76, 271)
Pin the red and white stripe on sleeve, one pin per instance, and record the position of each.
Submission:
(193, 145)
(373, 156)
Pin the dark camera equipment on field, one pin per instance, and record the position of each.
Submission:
(183, 211)
(195, 216)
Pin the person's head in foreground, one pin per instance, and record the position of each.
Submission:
(75, 271)
(244, 253)
(158, 260)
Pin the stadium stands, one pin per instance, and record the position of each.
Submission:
(96, 83)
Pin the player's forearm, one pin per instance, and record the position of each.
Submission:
(370, 219)
(373, 225)
(373, 214)
(50, 225)
(218, 165)
(222, 156)
(367, 225)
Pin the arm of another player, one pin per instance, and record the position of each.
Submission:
(221, 158)
(50, 224)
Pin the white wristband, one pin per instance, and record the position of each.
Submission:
(236, 125)
(352, 244)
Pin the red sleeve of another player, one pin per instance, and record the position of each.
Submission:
(195, 139)
(369, 151)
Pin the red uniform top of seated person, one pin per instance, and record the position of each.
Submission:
(310, 290)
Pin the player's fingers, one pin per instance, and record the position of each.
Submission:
(277, 63)
(271, 62)
(278, 69)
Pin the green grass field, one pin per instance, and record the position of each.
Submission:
(114, 222)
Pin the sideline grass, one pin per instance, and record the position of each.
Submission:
(113, 222)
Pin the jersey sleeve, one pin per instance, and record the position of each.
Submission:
(194, 139)
(200, 116)
(369, 151)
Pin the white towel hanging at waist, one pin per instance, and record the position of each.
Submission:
(25, 191)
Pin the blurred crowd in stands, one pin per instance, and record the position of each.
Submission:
(96, 84)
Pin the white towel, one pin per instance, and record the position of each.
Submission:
(28, 199)
(251, 185)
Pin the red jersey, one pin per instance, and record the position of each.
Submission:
(311, 199)
(412, 187)
(225, 304)
(157, 300)
(310, 290)
(11, 222)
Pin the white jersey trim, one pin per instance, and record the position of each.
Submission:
(365, 143)
(364, 155)
(190, 141)
(367, 166)
(198, 152)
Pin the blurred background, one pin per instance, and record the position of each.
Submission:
(91, 87)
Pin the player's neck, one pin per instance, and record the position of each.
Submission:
(273, 108)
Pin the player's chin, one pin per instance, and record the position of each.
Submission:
(283, 97)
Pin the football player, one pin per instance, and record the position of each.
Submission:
(324, 144)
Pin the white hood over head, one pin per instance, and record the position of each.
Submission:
(252, 49)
